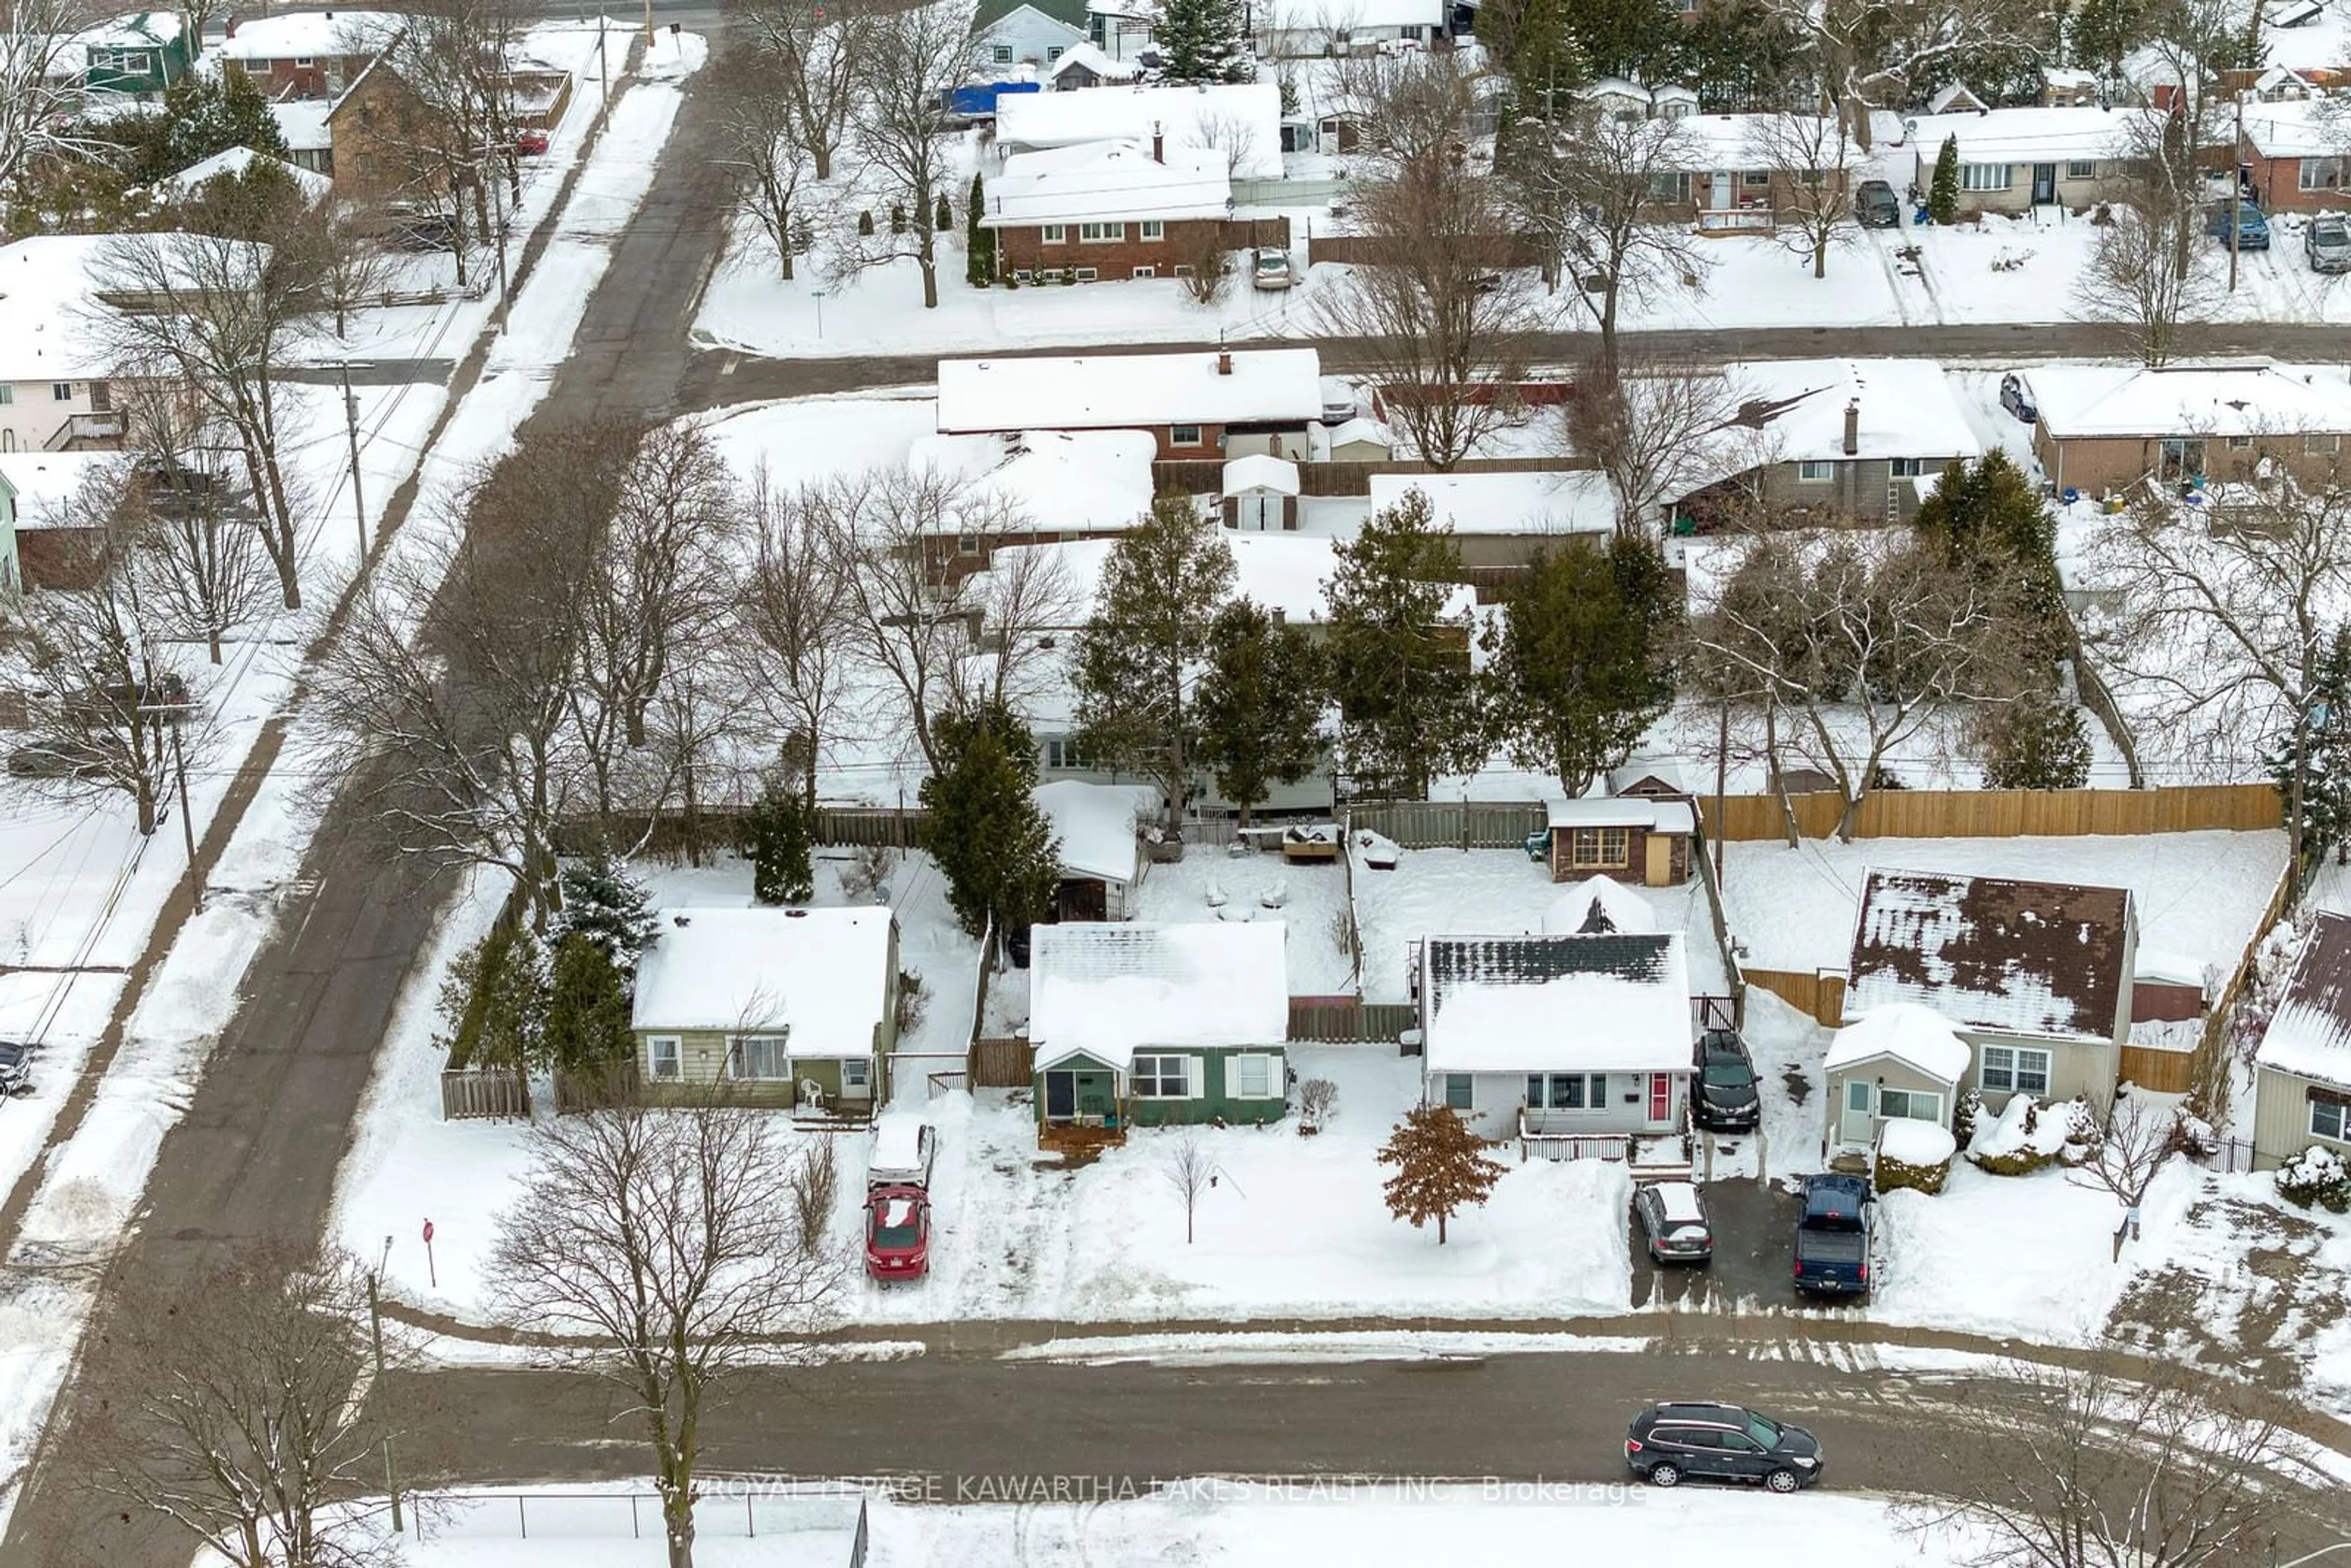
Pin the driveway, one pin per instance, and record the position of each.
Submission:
(1751, 1223)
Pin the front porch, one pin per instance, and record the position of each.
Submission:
(1651, 1157)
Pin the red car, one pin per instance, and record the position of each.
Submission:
(530, 144)
(897, 1233)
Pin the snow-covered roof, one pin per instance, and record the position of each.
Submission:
(1577, 502)
(1952, 92)
(1906, 406)
(2310, 128)
(1584, 907)
(45, 481)
(315, 187)
(1622, 811)
(1112, 989)
(1664, 770)
(1094, 60)
(2067, 76)
(1617, 1003)
(1706, 142)
(303, 123)
(1058, 481)
(2309, 1035)
(1095, 824)
(131, 30)
(1612, 87)
(1335, 17)
(1108, 182)
(1918, 1037)
(1362, 427)
(2249, 398)
(821, 974)
(1135, 391)
(2058, 135)
(1260, 471)
(2166, 969)
(2041, 959)
(1242, 122)
(44, 292)
(307, 36)
(1284, 573)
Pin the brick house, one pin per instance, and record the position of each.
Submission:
(2298, 155)
(2012, 159)
(1106, 210)
(1199, 404)
(306, 54)
(2105, 427)
(1242, 123)
(1745, 172)
(383, 134)
(1641, 839)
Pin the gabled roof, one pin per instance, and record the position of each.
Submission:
(1242, 121)
(1110, 990)
(1087, 57)
(1596, 906)
(1659, 816)
(1095, 825)
(1603, 1003)
(2033, 959)
(2309, 1035)
(307, 35)
(1535, 503)
(1260, 471)
(1118, 391)
(2305, 128)
(1918, 1037)
(1108, 182)
(822, 975)
(1069, 13)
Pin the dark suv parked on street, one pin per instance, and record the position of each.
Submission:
(1670, 1443)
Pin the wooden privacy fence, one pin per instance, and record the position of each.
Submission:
(1452, 824)
(1347, 1021)
(667, 831)
(2002, 813)
(1002, 1064)
(470, 1093)
(2151, 1067)
(1818, 994)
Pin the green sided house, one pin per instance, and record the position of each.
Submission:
(140, 54)
(1155, 1025)
(793, 1007)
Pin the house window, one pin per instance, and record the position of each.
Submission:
(303, 62)
(1909, 1105)
(2313, 445)
(2319, 173)
(1158, 1078)
(61, 391)
(2327, 1120)
(1182, 271)
(1052, 233)
(1087, 275)
(1414, 31)
(1001, 54)
(662, 1056)
(1183, 435)
(1567, 1091)
(2015, 1069)
(7, 395)
(1598, 846)
(1907, 468)
(1099, 233)
(1252, 1077)
(966, 544)
(1065, 752)
(2241, 444)
(856, 1078)
(1153, 229)
(762, 1057)
(1144, 272)
(1052, 54)
(1756, 179)
(2080, 169)
(1456, 1090)
(1664, 187)
(1983, 176)
(1815, 472)
(2178, 458)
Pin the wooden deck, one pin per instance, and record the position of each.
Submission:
(1079, 1145)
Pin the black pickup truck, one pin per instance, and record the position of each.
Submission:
(1832, 1236)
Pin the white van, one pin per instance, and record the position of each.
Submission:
(904, 1145)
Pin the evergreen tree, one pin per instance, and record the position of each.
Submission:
(780, 837)
(587, 1010)
(2037, 742)
(494, 1002)
(2321, 754)
(1989, 516)
(1543, 60)
(978, 243)
(2101, 32)
(1260, 704)
(946, 215)
(1635, 38)
(1943, 194)
(1202, 42)
(983, 828)
(1399, 670)
(204, 114)
(1138, 659)
(1577, 670)
(609, 906)
(1440, 1165)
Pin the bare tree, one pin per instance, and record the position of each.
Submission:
(2132, 1147)
(191, 522)
(1872, 51)
(1203, 262)
(336, 248)
(1409, 111)
(1863, 645)
(214, 317)
(909, 59)
(225, 1403)
(774, 176)
(1813, 152)
(1232, 138)
(43, 101)
(1588, 190)
(2116, 1463)
(1191, 1170)
(2151, 271)
(1022, 599)
(660, 1238)
(808, 51)
(2225, 612)
(798, 610)
(1659, 429)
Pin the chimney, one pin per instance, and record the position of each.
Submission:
(1853, 427)
(1158, 145)
(1224, 361)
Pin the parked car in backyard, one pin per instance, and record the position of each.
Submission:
(2327, 244)
(2252, 228)
(905, 1145)
(1270, 268)
(1875, 206)
(1832, 1236)
(15, 1067)
(1728, 1100)
(2016, 400)
(1670, 1443)
(530, 144)
(897, 1234)
(1673, 1219)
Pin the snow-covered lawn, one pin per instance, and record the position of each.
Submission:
(1312, 901)
(1232, 1521)
(2197, 895)
(805, 440)
(2025, 1257)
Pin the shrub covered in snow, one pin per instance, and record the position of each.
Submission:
(1965, 1116)
(1915, 1154)
(2315, 1177)
(2027, 1136)
(2192, 1135)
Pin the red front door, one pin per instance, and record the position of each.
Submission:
(1661, 1095)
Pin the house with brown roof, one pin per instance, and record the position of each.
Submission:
(2035, 975)
(2301, 1070)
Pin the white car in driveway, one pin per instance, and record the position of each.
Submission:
(1270, 268)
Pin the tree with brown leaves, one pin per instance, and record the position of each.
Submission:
(1440, 1165)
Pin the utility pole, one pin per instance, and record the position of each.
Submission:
(351, 430)
(375, 1329)
(498, 228)
(2236, 189)
(649, 25)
